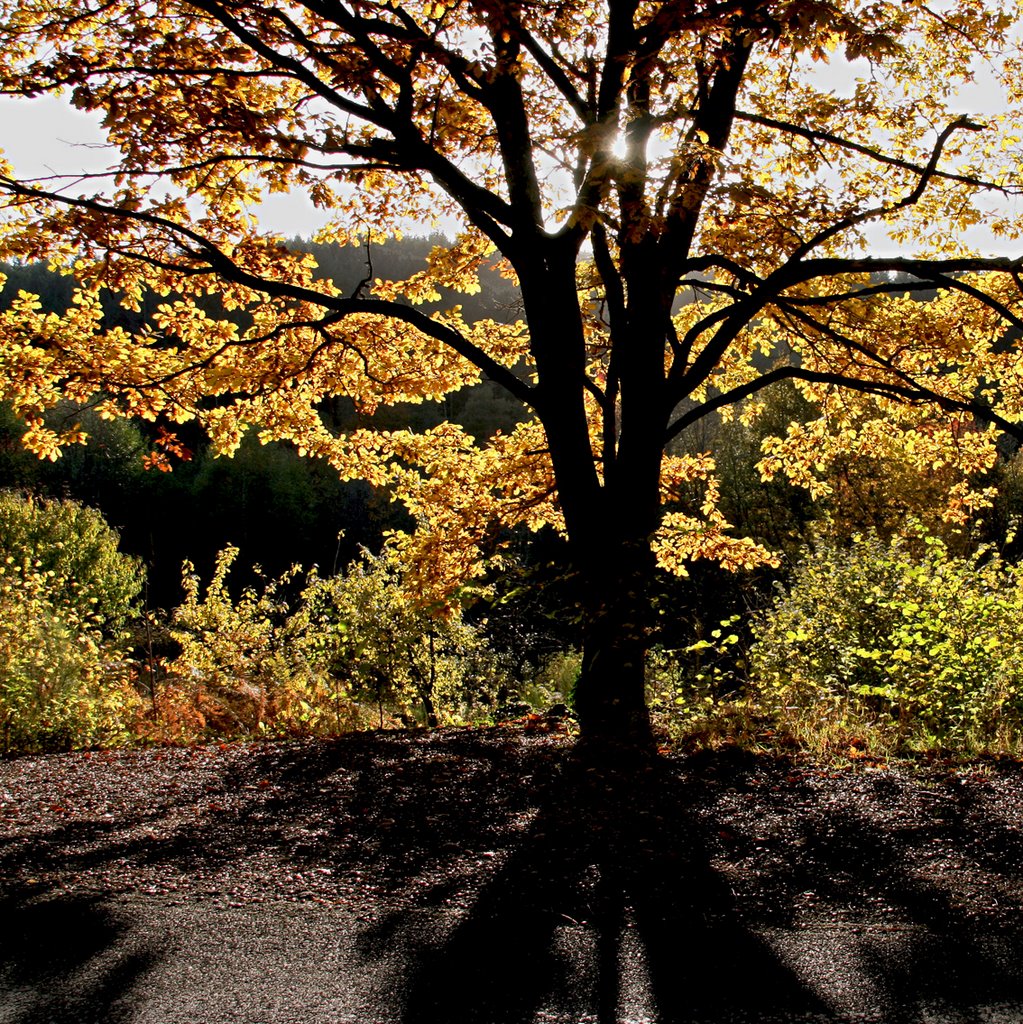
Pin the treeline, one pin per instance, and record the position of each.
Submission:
(347, 266)
(884, 626)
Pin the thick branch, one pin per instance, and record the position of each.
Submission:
(712, 122)
(735, 319)
(219, 263)
(880, 388)
(557, 75)
(615, 297)
(483, 208)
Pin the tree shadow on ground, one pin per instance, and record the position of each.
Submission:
(939, 878)
(46, 941)
(615, 885)
(609, 889)
(506, 879)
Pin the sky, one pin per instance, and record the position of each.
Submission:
(46, 135)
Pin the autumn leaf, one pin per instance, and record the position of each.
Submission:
(685, 200)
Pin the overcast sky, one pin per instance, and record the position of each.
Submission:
(47, 135)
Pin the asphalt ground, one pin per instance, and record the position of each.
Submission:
(503, 878)
(138, 960)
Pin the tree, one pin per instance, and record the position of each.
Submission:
(685, 203)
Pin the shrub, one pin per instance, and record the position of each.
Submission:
(554, 680)
(234, 656)
(899, 634)
(687, 685)
(62, 684)
(77, 550)
(346, 651)
(371, 634)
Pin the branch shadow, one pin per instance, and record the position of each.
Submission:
(64, 961)
(504, 879)
(608, 901)
(942, 879)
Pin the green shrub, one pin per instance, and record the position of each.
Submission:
(347, 651)
(686, 686)
(553, 681)
(62, 684)
(373, 637)
(77, 549)
(234, 652)
(900, 635)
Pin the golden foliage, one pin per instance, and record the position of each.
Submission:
(686, 195)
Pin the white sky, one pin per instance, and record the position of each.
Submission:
(46, 135)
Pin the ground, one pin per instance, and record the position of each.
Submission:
(517, 881)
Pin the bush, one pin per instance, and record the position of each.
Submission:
(373, 637)
(234, 654)
(686, 686)
(65, 593)
(345, 652)
(899, 635)
(77, 551)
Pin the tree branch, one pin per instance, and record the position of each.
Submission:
(886, 210)
(856, 147)
(880, 388)
(219, 263)
(743, 312)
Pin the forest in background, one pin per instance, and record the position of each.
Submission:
(242, 626)
(266, 492)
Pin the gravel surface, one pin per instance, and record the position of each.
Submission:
(507, 868)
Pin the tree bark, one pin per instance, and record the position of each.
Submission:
(609, 521)
(610, 694)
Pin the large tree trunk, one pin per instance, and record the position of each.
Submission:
(610, 696)
(609, 515)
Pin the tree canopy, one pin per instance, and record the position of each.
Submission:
(689, 204)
